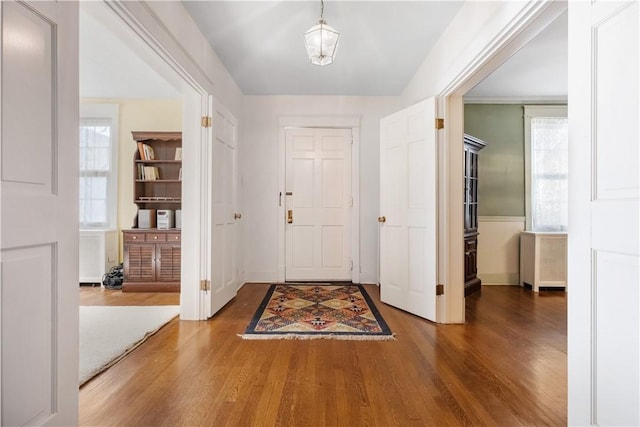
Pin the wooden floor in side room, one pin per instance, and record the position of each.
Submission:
(506, 366)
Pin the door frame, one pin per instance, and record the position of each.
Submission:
(450, 307)
(196, 90)
(327, 122)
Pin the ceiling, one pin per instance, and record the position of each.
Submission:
(381, 43)
(260, 43)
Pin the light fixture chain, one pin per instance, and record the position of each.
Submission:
(321, 9)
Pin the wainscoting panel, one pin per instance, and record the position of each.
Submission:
(499, 249)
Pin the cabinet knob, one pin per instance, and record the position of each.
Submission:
(135, 237)
(237, 216)
(155, 237)
(382, 219)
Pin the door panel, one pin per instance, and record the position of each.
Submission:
(39, 214)
(408, 204)
(318, 176)
(223, 243)
(604, 214)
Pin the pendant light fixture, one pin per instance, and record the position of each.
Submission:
(321, 41)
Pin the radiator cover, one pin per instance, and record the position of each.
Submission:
(98, 253)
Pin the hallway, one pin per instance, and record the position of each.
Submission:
(506, 366)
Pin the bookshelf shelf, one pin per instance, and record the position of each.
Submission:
(160, 181)
(158, 161)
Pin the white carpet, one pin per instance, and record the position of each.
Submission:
(108, 333)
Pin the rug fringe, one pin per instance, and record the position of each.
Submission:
(317, 337)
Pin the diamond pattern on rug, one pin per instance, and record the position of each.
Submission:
(306, 311)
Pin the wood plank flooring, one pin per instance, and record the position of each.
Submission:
(505, 367)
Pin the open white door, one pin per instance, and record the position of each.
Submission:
(604, 214)
(224, 217)
(39, 215)
(408, 206)
(318, 203)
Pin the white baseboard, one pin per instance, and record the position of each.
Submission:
(500, 278)
(261, 277)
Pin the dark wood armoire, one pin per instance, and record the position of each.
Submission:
(472, 147)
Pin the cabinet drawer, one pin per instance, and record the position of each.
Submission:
(174, 237)
(155, 237)
(134, 237)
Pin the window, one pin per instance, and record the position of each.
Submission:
(98, 171)
(546, 165)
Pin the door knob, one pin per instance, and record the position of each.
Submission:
(290, 216)
(237, 216)
(382, 219)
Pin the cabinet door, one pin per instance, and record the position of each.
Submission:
(467, 189)
(140, 262)
(168, 262)
(470, 258)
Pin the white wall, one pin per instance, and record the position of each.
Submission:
(173, 28)
(259, 173)
(476, 26)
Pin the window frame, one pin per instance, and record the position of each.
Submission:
(108, 112)
(530, 112)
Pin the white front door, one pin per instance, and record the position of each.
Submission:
(318, 204)
(224, 217)
(604, 214)
(408, 209)
(39, 214)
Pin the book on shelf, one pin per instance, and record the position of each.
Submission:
(180, 175)
(178, 155)
(146, 151)
(141, 150)
(150, 173)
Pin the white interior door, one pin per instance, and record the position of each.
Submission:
(224, 217)
(604, 214)
(318, 204)
(39, 214)
(408, 209)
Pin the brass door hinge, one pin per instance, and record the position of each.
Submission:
(439, 123)
(205, 285)
(205, 121)
(439, 290)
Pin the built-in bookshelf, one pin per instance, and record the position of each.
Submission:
(158, 170)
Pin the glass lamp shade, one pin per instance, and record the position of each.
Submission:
(321, 42)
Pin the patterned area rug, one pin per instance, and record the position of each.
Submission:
(318, 310)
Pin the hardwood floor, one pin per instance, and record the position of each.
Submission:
(505, 367)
